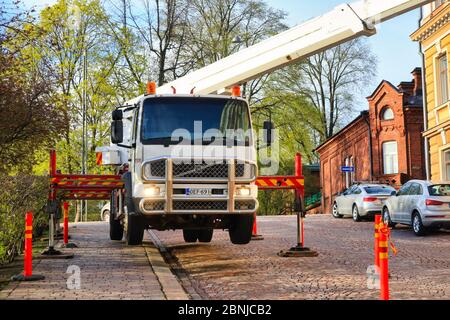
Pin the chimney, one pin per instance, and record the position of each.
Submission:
(417, 79)
(406, 87)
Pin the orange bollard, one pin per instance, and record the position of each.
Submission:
(255, 235)
(66, 228)
(384, 261)
(377, 239)
(28, 253)
(66, 223)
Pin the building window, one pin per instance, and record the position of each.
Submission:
(447, 165)
(438, 3)
(390, 157)
(442, 79)
(387, 114)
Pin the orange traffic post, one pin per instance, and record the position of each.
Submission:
(384, 261)
(377, 239)
(255, 235)
(66, 223)
(66, 228)
(28, 253)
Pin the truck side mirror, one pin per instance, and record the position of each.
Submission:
(268, 133)
(117, 115)
(394, 193)
(117, 131)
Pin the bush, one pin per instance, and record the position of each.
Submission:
(19, 194)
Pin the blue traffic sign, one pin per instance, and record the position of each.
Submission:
(348, 169)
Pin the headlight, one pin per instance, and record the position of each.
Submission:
(152, 192)
(243, 192)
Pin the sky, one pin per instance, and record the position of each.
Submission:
(397, 54)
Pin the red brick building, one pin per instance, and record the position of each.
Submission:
(382, 144)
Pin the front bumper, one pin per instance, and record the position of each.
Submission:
(174, 201)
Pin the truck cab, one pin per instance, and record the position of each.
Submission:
(188, 163)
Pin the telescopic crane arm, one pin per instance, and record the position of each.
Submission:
(344, 23)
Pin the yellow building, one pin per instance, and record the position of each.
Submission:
(434, 38)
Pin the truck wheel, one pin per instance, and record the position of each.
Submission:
(205, 235)
(135, 230)
(241, 227)
(190, 236)
(115, 227)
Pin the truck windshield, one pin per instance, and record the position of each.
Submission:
(175, 120)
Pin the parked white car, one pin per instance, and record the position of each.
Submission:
(361, 200)
(105, 212)
(420, 204)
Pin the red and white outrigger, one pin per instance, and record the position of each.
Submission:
(152, 190)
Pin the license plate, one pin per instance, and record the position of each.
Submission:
(199, 192)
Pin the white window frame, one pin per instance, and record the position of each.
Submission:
(383, 112)
(392, 158)
(444, 163)
(439, 99)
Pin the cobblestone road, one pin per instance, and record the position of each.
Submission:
(220, 270)
(108, 270)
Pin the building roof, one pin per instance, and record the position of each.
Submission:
(362, 115)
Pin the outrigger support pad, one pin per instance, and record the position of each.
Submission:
(23, 278)
(299, 251)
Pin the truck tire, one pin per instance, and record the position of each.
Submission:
(134, 223)
(241, 227)
(135, 230)
(115, 227)
(205, 235)
(190, 236)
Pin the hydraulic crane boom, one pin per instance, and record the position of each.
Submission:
(344, 23)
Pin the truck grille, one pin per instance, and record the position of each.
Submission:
(195, 170)
(154, 206)
(200, 205)
(244, 205)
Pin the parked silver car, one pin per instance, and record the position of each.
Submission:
(361, 200)
(420, 204)
(105, 212)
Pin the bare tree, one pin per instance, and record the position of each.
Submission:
(163, 30)
(219, 28)
(331, 80)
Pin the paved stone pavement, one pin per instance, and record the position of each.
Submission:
(219, 270)
(108, 270)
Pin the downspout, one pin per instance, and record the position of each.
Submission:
(367, 120)
(425, 102)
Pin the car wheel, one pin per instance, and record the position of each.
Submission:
(355, 214)
(190, 236)
(106, 215)
(336, 211)
(418, 228)
(387, 218)
(205, 235)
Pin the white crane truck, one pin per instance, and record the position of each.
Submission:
(186, 150)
